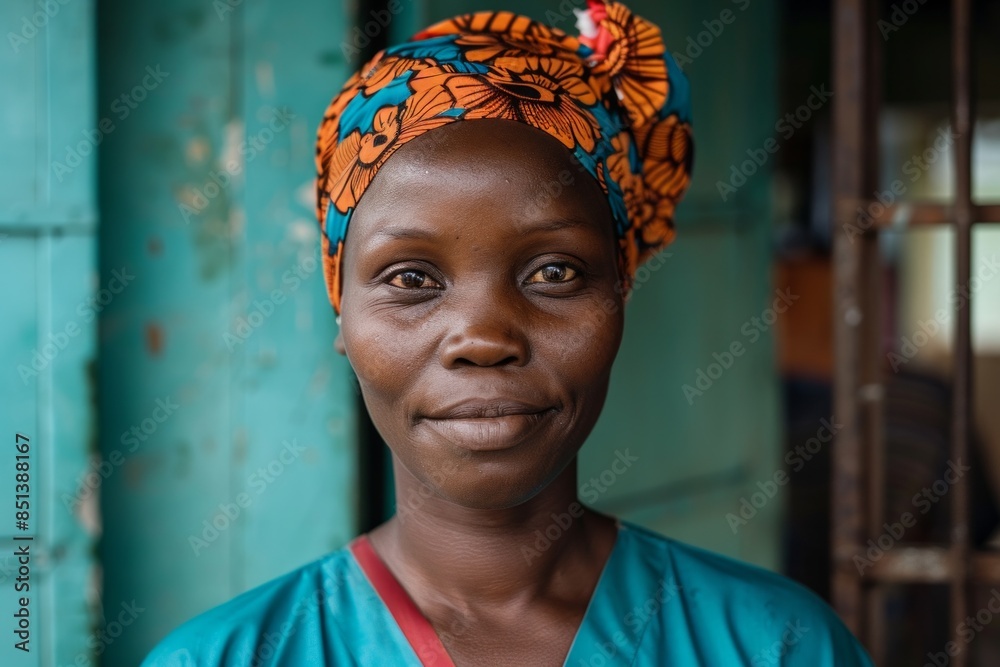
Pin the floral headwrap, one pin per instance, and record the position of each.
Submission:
(613, 96)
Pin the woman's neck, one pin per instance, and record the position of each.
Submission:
(548, 547)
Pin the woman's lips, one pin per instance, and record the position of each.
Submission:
(482, 408)
(498, 431)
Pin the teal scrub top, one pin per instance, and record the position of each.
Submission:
(658, 602)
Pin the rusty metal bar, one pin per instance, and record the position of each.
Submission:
(961, 38)
(913, 214)
(853, 180)
(871, 392)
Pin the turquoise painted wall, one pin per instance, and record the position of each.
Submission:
(206, 195)
(48, 242)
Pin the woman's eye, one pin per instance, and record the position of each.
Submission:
(412, 279)
(553, 273)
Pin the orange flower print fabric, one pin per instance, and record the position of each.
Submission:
(613, 96)
(483, 38)
(359, 156)
(548, 97)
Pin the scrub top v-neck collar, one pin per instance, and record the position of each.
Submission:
(614, 596)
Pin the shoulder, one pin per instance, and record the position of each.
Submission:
(773, 619)
(255, 626)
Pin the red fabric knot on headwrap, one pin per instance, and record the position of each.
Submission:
(630, 51)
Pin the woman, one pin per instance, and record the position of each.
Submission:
(479, 271)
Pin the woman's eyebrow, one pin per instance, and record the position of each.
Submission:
(542, 225)
(554, 224)
(398, 232)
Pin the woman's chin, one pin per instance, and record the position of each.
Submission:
(489, 489)
(497, 492)
(481, 481)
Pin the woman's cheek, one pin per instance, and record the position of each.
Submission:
(379, 364)
(592, 331)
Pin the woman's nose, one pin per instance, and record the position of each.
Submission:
(485, 331)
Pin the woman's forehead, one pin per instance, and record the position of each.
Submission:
(503, 168)
(488, 149)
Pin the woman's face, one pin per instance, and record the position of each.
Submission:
(481, 309)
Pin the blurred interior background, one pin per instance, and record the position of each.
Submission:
(168, 342)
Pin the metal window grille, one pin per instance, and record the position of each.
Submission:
(859, 454)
